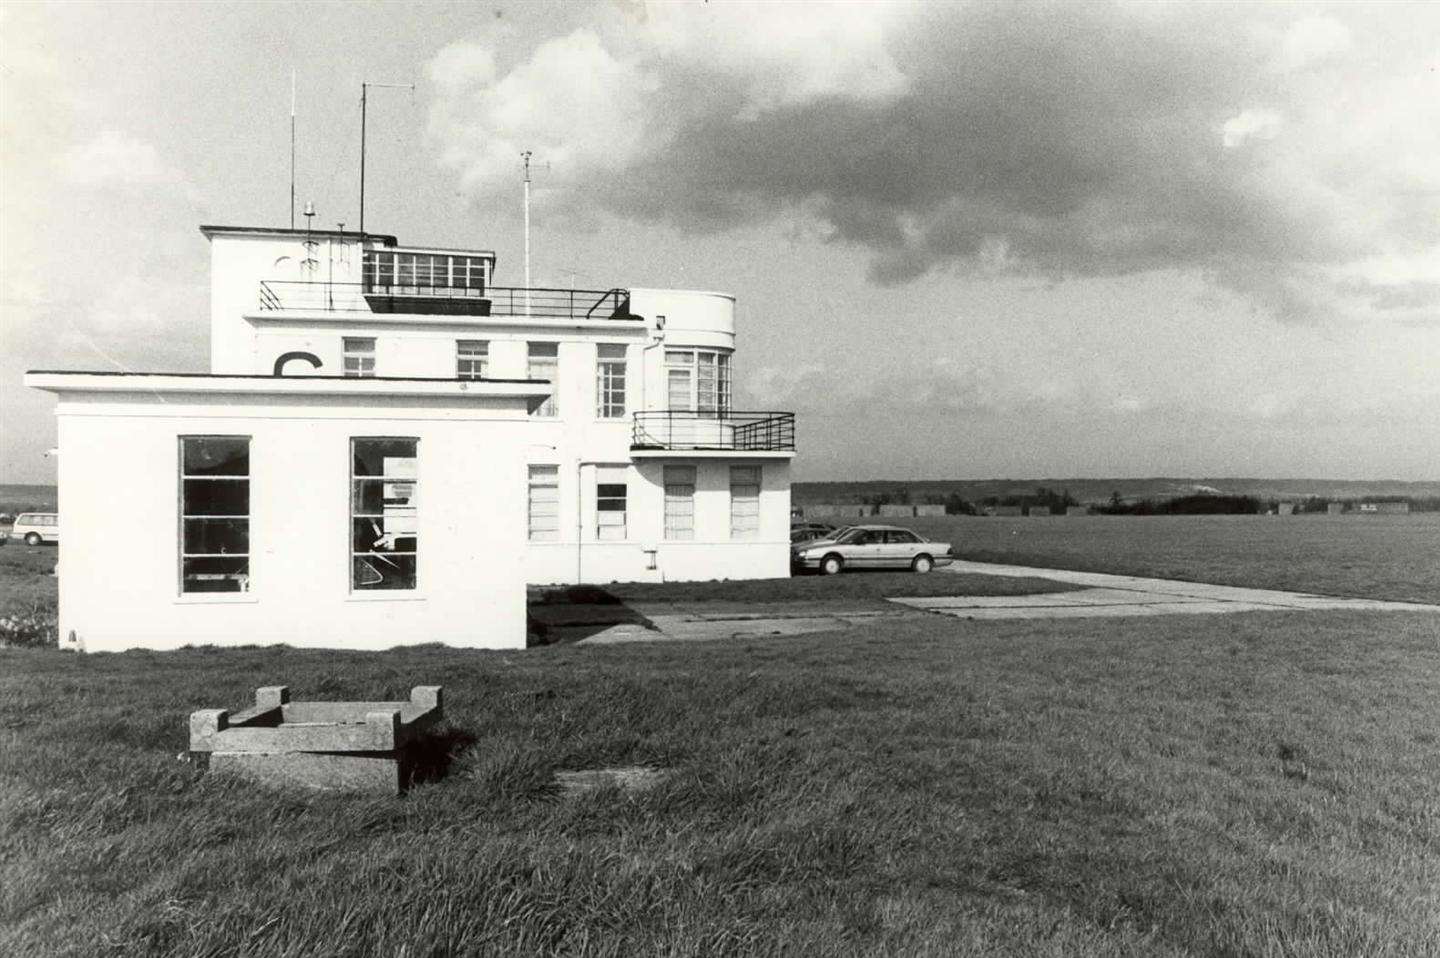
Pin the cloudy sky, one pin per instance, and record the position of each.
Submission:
(969, 240)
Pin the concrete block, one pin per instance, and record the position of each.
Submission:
(897, 511)
(369, 774)
(1335, 508)
(1287, 508)
(1040, 511)
(930, 509)
(1003, 510)
(821, 510)
(345, 746)
(1077, 510)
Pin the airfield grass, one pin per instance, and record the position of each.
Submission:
(1376, 557)
(1253, 784)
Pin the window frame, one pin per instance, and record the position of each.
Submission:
(350, 348)
(182, 517)
(550, 408)
(719, 378)
(412, 504)
(533, 469)
(750, 530)
(609, 371)
(671, 530)
(610, 478)
(480, 357)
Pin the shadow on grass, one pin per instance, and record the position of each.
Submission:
(562, 615)
(429, 759)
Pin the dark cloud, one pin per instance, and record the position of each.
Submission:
(1057, 139)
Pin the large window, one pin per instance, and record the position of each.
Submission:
(744, 502)
(472, 358)
(359, 357)
(610, 502)
(214, 513)
(610, 381)
(422, 274)
(698, 379)
(679, 502)
(544, 363)
(384, 542)
(543, 507)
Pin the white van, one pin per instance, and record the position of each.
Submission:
(36, 527)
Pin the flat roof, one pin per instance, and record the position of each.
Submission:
(211, 230)
(67, 380)
(385, 239)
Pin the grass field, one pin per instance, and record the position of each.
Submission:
(1259, 784)
(1378, 557)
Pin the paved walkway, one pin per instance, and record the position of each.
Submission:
(1123, 595)
(1103, 595)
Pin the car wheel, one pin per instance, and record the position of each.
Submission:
(922, 564)
(830, 565)
(32, 538)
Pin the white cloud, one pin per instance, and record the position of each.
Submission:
(112, 157)
(784, 53)
(578, 108)
(1312, 41)
(1249, 124)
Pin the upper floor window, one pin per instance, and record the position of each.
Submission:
(544, 363)
(610, 381)
(472, 358)
(698, 379)
(359, 357)
(391, 271)
(384, 540)
(214, 513)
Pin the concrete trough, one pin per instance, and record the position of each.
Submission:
(366, 747)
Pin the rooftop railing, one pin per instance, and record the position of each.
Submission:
(535, 301)
(723, 430)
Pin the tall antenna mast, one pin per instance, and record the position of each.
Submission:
(526, 156)
(364, 88)
(292, 149)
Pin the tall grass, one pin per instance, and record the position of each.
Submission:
(1244, 785)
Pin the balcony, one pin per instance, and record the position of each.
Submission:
(706, 431)
(533, 302)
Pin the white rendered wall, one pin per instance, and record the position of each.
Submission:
(119, 570)
(579, 555)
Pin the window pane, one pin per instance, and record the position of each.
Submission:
(216, 536)
(374, 572)
(226, 574)
(216, 497)
(216, 455)
(393, 533)
(384, 523)
(394, 458)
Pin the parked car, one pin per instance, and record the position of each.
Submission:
(37, 527)
(808, 531)
(872, 547)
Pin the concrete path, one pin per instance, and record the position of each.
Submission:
(1123, 595)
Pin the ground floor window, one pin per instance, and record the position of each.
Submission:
(214, 513)
(384, 540)
(679, 502)
(610, 502)
(744, 502)
(544, 503)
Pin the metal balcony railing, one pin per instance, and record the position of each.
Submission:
(539, 302)
(711, 430)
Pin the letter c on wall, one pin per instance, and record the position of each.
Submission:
(310, 358)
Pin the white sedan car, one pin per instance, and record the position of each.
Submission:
(872, 547)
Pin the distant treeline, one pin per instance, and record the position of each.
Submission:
(1200, 504)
